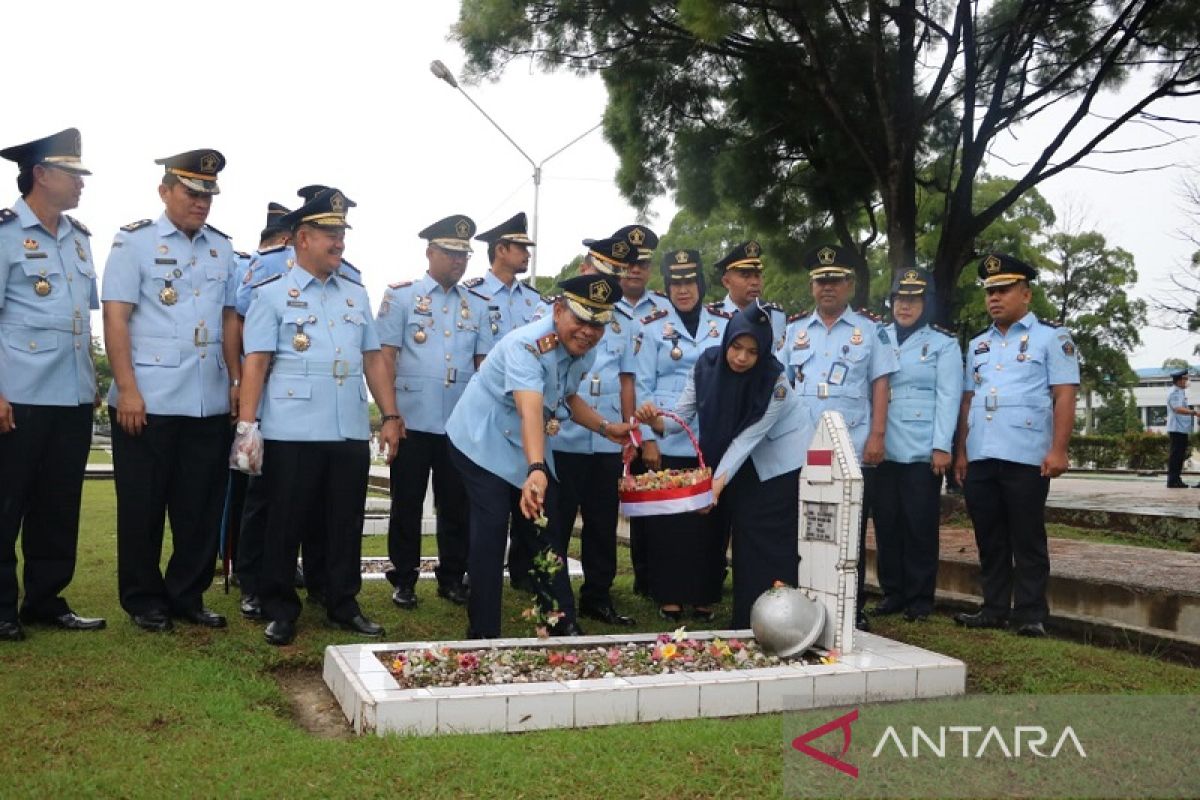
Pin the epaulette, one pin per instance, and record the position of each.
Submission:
(347, 276)
(274, 249)
(480, 295)
(79, 226)
(7, 215)
(715, 308)
(795, 317)
(549, 299)
(346, 263)
(871, 315)
(400, 285)
(980, 332)
(663, 295)
(214, 230)
(547, 343)
(657, 313)
(774, 307)
(265, 281)
(136, 226)
(1052, 323)
(472, 282)
(620, 310)
(240, 254)
(941, 330)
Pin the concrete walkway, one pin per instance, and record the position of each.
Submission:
(1128, 494)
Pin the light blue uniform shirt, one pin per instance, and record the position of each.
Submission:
(833, 368)
(275, 261)
(177, 359)
(431, 374)
(662, 375)
(776, 312)
(1010, 375)
(46, 338)
(646, 305)
(315, 394)
(777, 442)
(925, 395)
(508, 306)
(1178, 423)
(485, 425)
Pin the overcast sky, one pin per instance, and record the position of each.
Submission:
(303, 92)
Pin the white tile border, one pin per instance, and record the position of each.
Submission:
(879, 670)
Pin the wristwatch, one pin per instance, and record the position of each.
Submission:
(244, 427)
(538, 466)
(387, 417)
(603, 427)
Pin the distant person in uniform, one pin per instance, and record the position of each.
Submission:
(434, 333)
(1015, 421)
(511, 304)
(527, 387)
(174, 342)
(922, 414)
(741, 273)
(312, 328)
(1181, 421)
(685, 559)
(754, 429)
(47, 382)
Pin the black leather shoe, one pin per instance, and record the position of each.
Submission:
(360, 625)
(280, 632)
(887, 608)
(564, 628)
(1034, 630)
(11, 632)
(704, 615)
(454, 592)
(671, 616)
(405, 597)
(203, 616)
(71, 621)
(861, 622)
(251, 607)
(607, 614)
(980, 619)
(916, 615)
(153, 621)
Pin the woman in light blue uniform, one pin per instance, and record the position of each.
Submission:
(683, 551)
(922, 415)
(754, 429)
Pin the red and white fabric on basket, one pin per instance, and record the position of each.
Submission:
(667, 491)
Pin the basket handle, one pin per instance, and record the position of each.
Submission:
(627, 455)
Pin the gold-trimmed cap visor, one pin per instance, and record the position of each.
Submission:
(1003, 279)
(586, 310)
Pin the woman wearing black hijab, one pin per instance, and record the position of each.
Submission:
(753, 429)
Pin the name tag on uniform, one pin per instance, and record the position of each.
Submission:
(837, 373)
(165, 261)
(297, 303)
(37, 255)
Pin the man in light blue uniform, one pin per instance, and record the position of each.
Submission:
(741, 274)
(434, 333)
(312, 328)
(589, 464)
(1015, 421)
(840, 360)
(527, 387)
(47, 383)
(511, 303)
(174, 342)
(1180, 421)
(922, 415)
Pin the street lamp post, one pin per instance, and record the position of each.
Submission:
(441, 72)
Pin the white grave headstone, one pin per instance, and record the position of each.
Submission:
(831, 493)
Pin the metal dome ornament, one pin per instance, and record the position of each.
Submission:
(786, 620)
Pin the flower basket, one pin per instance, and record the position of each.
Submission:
(667, 491)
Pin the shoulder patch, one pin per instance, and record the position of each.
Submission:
(214, 230)
(718, 309)
(473, 282)
(774, 307)
(780, 391)
(274, 249)
(265, 281)
(547, 343)
(549, 299)
(348, 277)
(532, 349)
(663, 295)
(136, 226)
(941, 330)
(1050, 323)
(657, 313)
(869, 314)
(480, 295)
(6, 215)
(882, 333)
(79, 226)
(240, 254)
(400, 285)
(795, 317)
(620, 310)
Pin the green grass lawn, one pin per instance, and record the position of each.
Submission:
(199, 713)
(97, 456)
